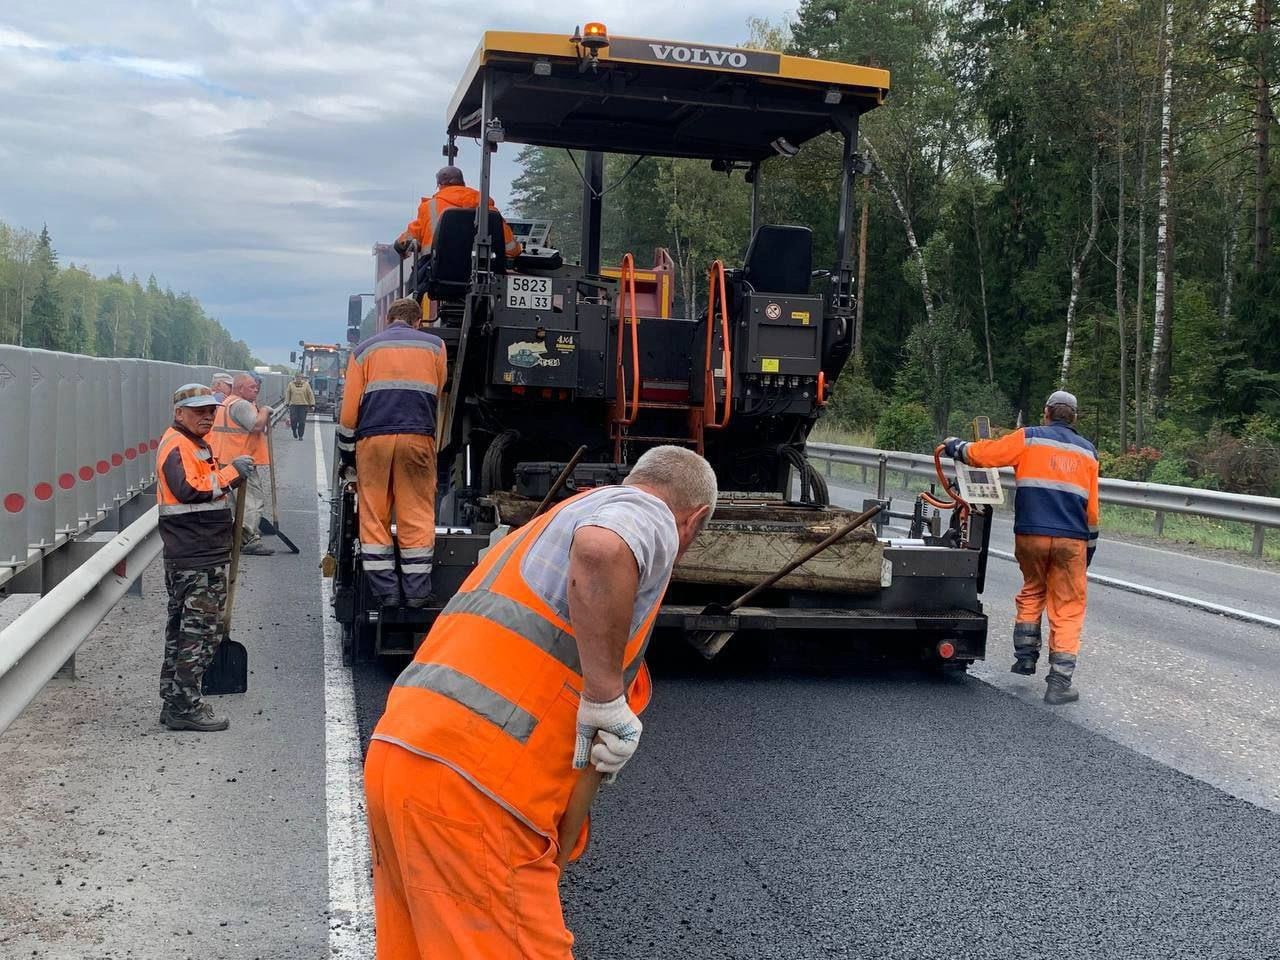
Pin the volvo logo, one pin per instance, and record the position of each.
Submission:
(691, 55)
(703, 56)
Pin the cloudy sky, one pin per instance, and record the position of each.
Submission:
(252, 152)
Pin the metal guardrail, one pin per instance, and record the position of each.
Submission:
(1260, 512)
(78, 437)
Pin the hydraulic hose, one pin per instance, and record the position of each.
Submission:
(956, 502)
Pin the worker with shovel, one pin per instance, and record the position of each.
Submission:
(196, 529)
(533, 671)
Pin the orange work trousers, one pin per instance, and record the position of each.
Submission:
(1053, 577)
(397, 472)
(455, 876)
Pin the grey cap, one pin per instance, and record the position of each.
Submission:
(1063, 398)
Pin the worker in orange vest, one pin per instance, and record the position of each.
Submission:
(534, 669)
(196, 527)
(1055, 534)
(389, 413)
(451, 191)
(241, 429)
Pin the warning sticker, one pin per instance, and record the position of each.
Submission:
(801, 315)
(769, 365)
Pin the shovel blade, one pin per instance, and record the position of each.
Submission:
(228, 672)
(710, 642)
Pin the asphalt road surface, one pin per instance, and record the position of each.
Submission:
(798, 804)
(788, 803)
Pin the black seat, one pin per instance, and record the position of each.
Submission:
(448, 269)
(779, 260)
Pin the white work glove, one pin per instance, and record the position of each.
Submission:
(608, 733)
(243, 465)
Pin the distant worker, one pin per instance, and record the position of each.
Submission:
(389, 413)
(534, 669)
(195, 528)
(1055, 533)
(451, 191)
(301, 400)
(221, 385)
(241, 428)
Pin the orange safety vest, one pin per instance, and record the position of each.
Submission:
(230, 440)
(493, 691)
(195, 518)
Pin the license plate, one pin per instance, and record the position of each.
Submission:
(529, 293)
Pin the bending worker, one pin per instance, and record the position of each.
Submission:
(394, 380)
(451, 191)
(195, 527)
(241, 429)
(1055, 533)
(301, 400)
(534, 669)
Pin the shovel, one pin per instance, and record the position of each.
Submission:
(228, 672)
(710, 642)
(272, 527)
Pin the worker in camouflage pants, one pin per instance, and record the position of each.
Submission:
(192, 634)
(196, 528)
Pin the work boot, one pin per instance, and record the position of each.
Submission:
(421, 603)
(202, 718)
(1025, 666)
(256, 548)
(1058, 689)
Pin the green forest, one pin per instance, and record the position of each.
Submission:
(1066, 193)
(48, 306)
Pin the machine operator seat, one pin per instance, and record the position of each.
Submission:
(448, 270)
(779, 260)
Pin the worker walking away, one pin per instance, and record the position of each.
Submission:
(1055, 533)
(451, 192)
(534, 669)
(301, 400)
(195, 528)
(240, 429)
(393, 385)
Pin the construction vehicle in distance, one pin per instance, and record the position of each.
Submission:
(547, 356)
(325, 366)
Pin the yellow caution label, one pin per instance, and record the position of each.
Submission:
(768, 365)
(801, 315)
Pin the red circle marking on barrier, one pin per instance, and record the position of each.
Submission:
(86, 474)
(104, 467)
(43, 491)
(66, 481)
(116, 459)
(142, 447)
(130, 453)
(153, 443)
(14, 502)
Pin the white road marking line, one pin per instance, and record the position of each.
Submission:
(350, 882)
(1178, 598)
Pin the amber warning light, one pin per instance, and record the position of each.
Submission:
(595, 36)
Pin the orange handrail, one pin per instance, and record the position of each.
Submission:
(627, 281)
(715, 286)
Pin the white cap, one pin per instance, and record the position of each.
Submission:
(1063, 398)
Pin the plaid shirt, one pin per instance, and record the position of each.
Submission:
(643, 521)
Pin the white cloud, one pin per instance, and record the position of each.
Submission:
(251, 151)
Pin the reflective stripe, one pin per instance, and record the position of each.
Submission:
(472, 694)
(416, 566)
(408, 553)
(216, 487)
(1060, 445)
(204, 453)
(430, 345)
(170, 509)
(418, 385)
(229, 430)
(377, 549)
(433, 215)
(377, 564)
(519, 619)
(1060, 485)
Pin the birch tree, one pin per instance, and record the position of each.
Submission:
(1162, 333)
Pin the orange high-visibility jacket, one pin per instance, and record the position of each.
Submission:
(493, 691)
(394, 382)
(423, 227)
(229, 440)
(1056, 471)
(191, 489)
